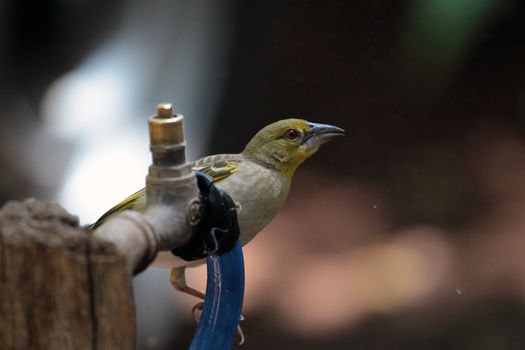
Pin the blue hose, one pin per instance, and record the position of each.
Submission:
(223, 303)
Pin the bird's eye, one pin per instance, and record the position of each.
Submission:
(291, 134)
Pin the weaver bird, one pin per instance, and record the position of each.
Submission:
(258, 180)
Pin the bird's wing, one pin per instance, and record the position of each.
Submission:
(218, 167)
(130, 202)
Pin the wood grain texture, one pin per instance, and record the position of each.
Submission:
(60, 288)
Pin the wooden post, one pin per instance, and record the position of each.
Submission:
(60, 287)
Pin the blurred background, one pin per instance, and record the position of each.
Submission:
(407, 234)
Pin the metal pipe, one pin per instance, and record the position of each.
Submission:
(173, 204)
(172, 192)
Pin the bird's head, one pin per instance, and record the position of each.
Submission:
(285, 144)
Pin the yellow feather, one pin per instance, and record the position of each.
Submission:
(218, 167)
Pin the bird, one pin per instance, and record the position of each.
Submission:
(258, 180)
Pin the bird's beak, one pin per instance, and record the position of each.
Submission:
(320, 133)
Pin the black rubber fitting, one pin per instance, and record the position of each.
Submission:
(218, 229)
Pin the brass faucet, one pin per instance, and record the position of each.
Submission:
(174, 208)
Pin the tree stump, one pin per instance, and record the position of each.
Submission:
(60, 287)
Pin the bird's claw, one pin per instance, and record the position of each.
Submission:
(196, 311)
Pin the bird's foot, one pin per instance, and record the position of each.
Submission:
(196, 311)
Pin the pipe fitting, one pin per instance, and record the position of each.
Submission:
(170, 184)
(173, 203)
